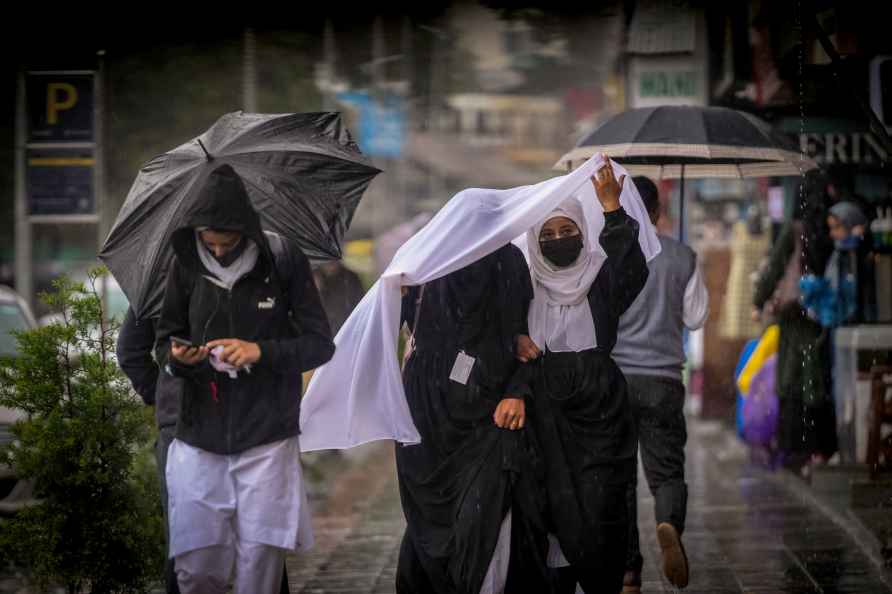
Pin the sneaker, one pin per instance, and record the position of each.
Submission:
(818, 460)
(675, 562)
(632, 582)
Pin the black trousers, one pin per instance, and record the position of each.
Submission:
(658, 410)
(165, 437)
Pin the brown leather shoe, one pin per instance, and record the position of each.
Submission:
(675, 562)
(632, 582)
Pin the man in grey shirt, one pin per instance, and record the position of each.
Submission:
(650, 352)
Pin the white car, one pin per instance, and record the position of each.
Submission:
(14, 315)
(115, 305)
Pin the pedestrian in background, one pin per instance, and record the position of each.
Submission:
(650, 351)
(807, 419)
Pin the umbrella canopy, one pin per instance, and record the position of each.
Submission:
(303, 173)
(685, 141)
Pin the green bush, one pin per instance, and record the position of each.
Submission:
(97, 526)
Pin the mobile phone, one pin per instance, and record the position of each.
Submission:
(182, 341)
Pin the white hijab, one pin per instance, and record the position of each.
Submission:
(560, 317)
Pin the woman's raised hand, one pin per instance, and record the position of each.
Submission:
(607, 187)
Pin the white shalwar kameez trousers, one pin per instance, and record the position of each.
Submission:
(237, 513)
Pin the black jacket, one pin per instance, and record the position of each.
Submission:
(275, 305)
(134, 349)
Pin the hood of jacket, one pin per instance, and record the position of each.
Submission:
(221, 202)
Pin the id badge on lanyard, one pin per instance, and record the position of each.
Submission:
(461, 369)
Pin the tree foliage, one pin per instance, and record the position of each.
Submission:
(97, 526)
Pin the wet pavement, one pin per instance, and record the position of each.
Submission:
(747, 531)
(358, 527)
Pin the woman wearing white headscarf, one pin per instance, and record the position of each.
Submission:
(580, 411)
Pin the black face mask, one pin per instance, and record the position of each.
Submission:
(232, 255)
(562, 252)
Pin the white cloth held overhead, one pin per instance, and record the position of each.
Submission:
(358, 396)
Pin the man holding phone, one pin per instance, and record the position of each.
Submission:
(241, 320)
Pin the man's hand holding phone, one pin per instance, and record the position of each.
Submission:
(187, 353)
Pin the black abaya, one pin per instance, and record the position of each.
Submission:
(457, 485)
(582, 420)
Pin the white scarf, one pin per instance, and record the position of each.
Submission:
(358, 396)
(226, 276)
(560, 317)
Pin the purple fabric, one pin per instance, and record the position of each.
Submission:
(760, 407)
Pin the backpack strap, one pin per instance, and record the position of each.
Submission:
(283, 266)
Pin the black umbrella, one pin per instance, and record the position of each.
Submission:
(303, 173)
(675, 142)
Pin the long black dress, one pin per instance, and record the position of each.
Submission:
(583, 422)
(457, 485)
(807, 417)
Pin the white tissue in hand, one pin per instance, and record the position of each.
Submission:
(222, 366)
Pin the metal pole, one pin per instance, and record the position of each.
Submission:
(681, 221)
(249, 72)
(102, 207)
(378, 53)
(329, 58)
(431, 125)
(408, 58)
(99, 150)
(430, 117)
(24, 283)
(407, 115)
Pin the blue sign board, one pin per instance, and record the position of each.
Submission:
(382, 124)
(60, 181)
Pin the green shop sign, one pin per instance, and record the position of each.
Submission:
(674, 83)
